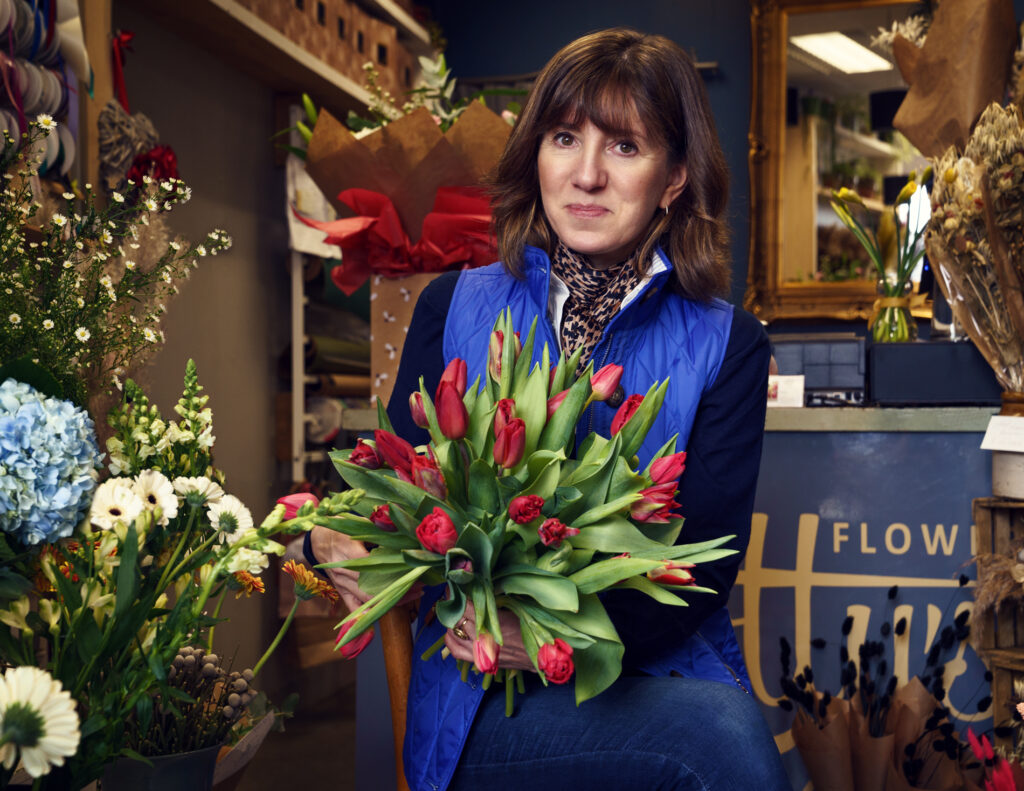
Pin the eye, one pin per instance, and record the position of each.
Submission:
(563, 138)
(627, 147)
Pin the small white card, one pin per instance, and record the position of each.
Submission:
(1005, 432)
(786, 391)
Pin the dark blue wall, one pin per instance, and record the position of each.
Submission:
(501, 38)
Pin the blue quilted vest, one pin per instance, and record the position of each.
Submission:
(657, 335)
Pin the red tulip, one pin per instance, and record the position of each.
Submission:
(674, 572)
(396, 453)
(606, 381)
(668, 468)
(365, 456)
(485, 652)
(455, 374)
(419, 414)
(427, 475)
(494, 350)
(626, 411)
(510, 443)
(656, 503)
(556, 401)
(452, 417)
(555, 661)
(525, 508)
(381, 516)
(553, 532)
(437, 532)
(505, 410)
(355, 648)
(293, 502)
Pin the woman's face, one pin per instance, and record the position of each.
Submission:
(600, 191)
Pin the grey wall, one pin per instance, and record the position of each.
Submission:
(519, 37)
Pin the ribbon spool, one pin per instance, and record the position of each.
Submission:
(6, 14)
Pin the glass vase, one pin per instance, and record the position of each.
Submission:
(891, 320)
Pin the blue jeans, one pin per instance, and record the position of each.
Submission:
(654, 734)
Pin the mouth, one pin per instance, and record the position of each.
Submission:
(586, 210)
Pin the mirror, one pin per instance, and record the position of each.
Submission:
(809, 133)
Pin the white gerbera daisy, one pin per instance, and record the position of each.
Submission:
(202, 490)
(83, 334)
(47, 324)
(15, 319)
(37, 720)
(46, 121)
(230, 518)
(249, 560)
(115, 502)
(59, 220)
(156, 491)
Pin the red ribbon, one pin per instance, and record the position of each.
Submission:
(9, 75)
(456, 232)
(121, 44)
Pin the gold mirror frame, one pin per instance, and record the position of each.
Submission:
(767, 297)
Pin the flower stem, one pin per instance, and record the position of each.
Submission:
(177, 550)
(216, 612)
(434, 648)
(277, 639)
(509, 692)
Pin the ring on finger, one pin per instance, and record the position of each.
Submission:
(459, 632)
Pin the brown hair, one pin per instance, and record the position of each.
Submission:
(618, 79)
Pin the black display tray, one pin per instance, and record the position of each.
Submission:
(930, 373)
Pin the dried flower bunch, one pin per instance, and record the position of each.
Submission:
(79, 295)
(976, 237)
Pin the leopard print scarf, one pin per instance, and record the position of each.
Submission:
(595, 296)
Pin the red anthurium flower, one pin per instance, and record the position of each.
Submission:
(365, 456)
(553, 532)
(437, 532)
(555, 661)
(355, 648)
(510, 443)
(396, 453)
(655, 503)
(454, 374)
(427, 475)
(556, 401)
(605, 381)
(668, 468)
(504, 411)
(381, 516)
(452, 417)
(293, 502)
(626, 411)
(485, 652)
(419, 414)
(525, 508)
(674, 572)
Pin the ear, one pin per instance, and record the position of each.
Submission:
(674, 187)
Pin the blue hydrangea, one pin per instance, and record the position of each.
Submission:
(48, 464)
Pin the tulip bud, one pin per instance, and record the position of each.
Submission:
(381, 516)
(494, 354)
(556, 401)
(452, 417)
(555, 661)
(419, 414)
(510, 443)
(354, 648)
(504, 411)
(605, 382)
(655, 503)
(455, 374)
(485, 652)
(668, 468)
(396, 453)
(437, 532)
(553, 532)
(427, 476)
(293, 503)
(674, 572)
(365, 456)
(626, 411)
(525, 508)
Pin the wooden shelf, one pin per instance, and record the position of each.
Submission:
(410, 32)
(858, 145)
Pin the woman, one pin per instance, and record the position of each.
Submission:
(607, 211)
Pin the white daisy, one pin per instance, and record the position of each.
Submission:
(37, 720)
(203, 489)
(68, 196)
(201, 250)
(151, 205)
(175, 246)
(230, 518)
(47, 324)
(117, 196)
(46, 121)
(59, 220)
(115, 502)
(129, 265)
(81, 303)
(155, 491)
(249, 560)
(82, 333)
(149, 335)
(15, 319)
(67, 264)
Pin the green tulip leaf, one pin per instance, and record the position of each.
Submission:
(554, 592)
(561, 428)
(450, 611)
(636, 428)
(600, 512)
(477, 545)
(483, 487)
(616, 535)
(597, 668)
(371, 611)
(666, 533)
(656, 592)
(421, 557)
(523, 364)
(606, 573)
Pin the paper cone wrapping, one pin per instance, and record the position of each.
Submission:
(912, 705)
(826, 751)
(869, 755)
(962, 68)
(391, 305)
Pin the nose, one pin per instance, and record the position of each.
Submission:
(590, 174)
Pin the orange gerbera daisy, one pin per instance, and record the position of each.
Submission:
(248, 583)
(307, 584)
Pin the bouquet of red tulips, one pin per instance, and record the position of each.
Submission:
(495, 508)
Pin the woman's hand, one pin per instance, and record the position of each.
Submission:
(511, 655)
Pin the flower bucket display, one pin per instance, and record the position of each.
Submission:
(193, 770)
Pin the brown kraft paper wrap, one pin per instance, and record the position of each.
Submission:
(961, 68)
(826, 751)
(869, 755)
